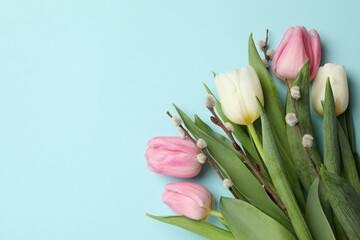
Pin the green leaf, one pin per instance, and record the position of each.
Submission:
(348, 161)
(331, 145)
(246, 222)
(304, 170)
(349, 128)
(240, 175)
(315, 217)
(201, 228)
(277, 174)
(344, 201)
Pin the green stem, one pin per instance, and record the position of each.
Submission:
(256, 139)
(215, 213)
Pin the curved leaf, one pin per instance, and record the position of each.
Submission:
(315, 217)
(246, 222)
(201, 228)
(344, 201)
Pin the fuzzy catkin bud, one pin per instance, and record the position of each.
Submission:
(201, 158)
(181, 133)
(295, 92)
(210, 101)
(200, 143)
(270, 52)
(266, 63)
(261, 44)
(307, 140)
(229, 127)
(227, 183)
(291, 119)
(176, 121)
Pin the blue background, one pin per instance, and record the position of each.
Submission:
(85, 84)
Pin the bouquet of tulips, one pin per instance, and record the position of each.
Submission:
(267, 156)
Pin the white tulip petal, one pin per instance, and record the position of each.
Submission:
(237, 91)
(339, 85)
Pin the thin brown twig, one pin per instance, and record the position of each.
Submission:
(208, 160)
(216, 120)
(264, 48)
(312, 164)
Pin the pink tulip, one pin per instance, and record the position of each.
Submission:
(188, 199)
(295, 48)
(173, 156)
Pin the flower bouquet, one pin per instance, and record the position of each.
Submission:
(267, 156)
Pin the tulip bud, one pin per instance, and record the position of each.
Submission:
(295, 48)
(173, 156)
(188, 199)
(237, 91)
(339, 85)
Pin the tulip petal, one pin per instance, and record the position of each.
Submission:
(174, 144)
(198, 193)
(183, 205)
(175, 164)
(307, 45)
(281, 48)
(316, 52)
(293, 57)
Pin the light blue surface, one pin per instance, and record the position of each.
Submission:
(85, 84)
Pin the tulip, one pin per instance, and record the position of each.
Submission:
(173, 156)
(237, 91)
(339, 85)
(189, 199)
(295, 48)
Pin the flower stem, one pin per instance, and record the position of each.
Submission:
(256, 139)
(215, 213)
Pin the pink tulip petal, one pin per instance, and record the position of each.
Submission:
(281, 48)
(175, 164)
(307, 44)
(293, 56)
(183, 205)
(198, 193)
(316, 50)
(174, 144)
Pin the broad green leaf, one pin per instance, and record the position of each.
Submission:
(315, 217)
(304, 170)
(226, 142)
(281, 183)
(240, 175)
(331, 145)
(246, 222)
(201, 228)
(344, 201)
(339, 230)
(348, 161)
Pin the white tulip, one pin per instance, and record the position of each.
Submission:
(339, 85)
(237, 91)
